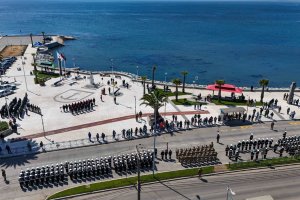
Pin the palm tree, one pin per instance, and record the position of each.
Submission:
(263, 83)
(177, 82)
(153, 71)
(184, 73)
(144, 78)
(155, 100)
(220, 83)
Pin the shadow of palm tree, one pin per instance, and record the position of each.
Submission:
(17, 160)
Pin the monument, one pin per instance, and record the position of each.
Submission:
(291, 93)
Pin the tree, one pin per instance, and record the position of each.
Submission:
(220, 83)
(153, 72)
(263, 83)
(144, 78)
(155, 100)
(184, 73)
(177, 82)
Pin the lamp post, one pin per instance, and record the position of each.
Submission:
(43, 125)
(112, 66)
(135, 105)
(138, 171)
(137, 72)
(154, 137)
(24, 73)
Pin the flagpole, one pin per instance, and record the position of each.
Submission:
(227, 192)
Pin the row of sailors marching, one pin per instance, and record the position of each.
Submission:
(41, 176)
(129, 162)
(254, 152)
(252, 144)
(88, 168)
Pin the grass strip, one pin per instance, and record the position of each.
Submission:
(170, 94)
(231, 103)
(130, 181)
(263, 163)
(45, 75)
(3, 125)
(186, 102)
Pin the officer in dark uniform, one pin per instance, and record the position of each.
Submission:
(247, 144)
(284, 135)
(243, 145)
(162, 154)
(256, 154)
(226, 150)
(281, 151)
(170, 154)
(252, 154)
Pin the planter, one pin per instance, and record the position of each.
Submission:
(6, 133)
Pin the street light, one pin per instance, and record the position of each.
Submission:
(137, 72)
(24, 73)
(138, 171)
(135, 105)
(154, 137)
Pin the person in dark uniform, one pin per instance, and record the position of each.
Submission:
(252, 154)
(218, 137)
(226, 150)
(3, 174)
(162, 154)
(256, 154)
(272, 125)
(251, 136)
(170, 154)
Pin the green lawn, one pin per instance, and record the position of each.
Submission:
(130, 181)
(263, 163)
(169, 94)
(3, 126)
(45, 75)
(186, 102)
(230, 103)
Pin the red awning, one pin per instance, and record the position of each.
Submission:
(225, 88)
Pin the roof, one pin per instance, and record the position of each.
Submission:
(225, 88)
(232, 110)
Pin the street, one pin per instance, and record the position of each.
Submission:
(229, 135)
(281, 183)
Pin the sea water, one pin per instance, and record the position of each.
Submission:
(240, 42)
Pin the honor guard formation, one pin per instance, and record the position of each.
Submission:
(91, 169)
(255, 146)
(80, 107)
(198, 156)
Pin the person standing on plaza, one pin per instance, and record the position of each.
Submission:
(3, 174)
(218, 137)
(272, 125)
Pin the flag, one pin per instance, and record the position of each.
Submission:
(63, 57)
(60, 56)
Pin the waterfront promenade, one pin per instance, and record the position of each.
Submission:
(107, 116)
(64, 130)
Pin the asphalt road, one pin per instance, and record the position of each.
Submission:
(179, 139)
(281, 183)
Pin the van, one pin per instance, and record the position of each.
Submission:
(8, 87)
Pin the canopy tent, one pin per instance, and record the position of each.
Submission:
(38, 44)
(225, 88)
(232, 110)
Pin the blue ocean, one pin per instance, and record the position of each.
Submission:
(240, 42)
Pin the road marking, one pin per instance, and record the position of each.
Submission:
(245, 127)
(294, 123)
